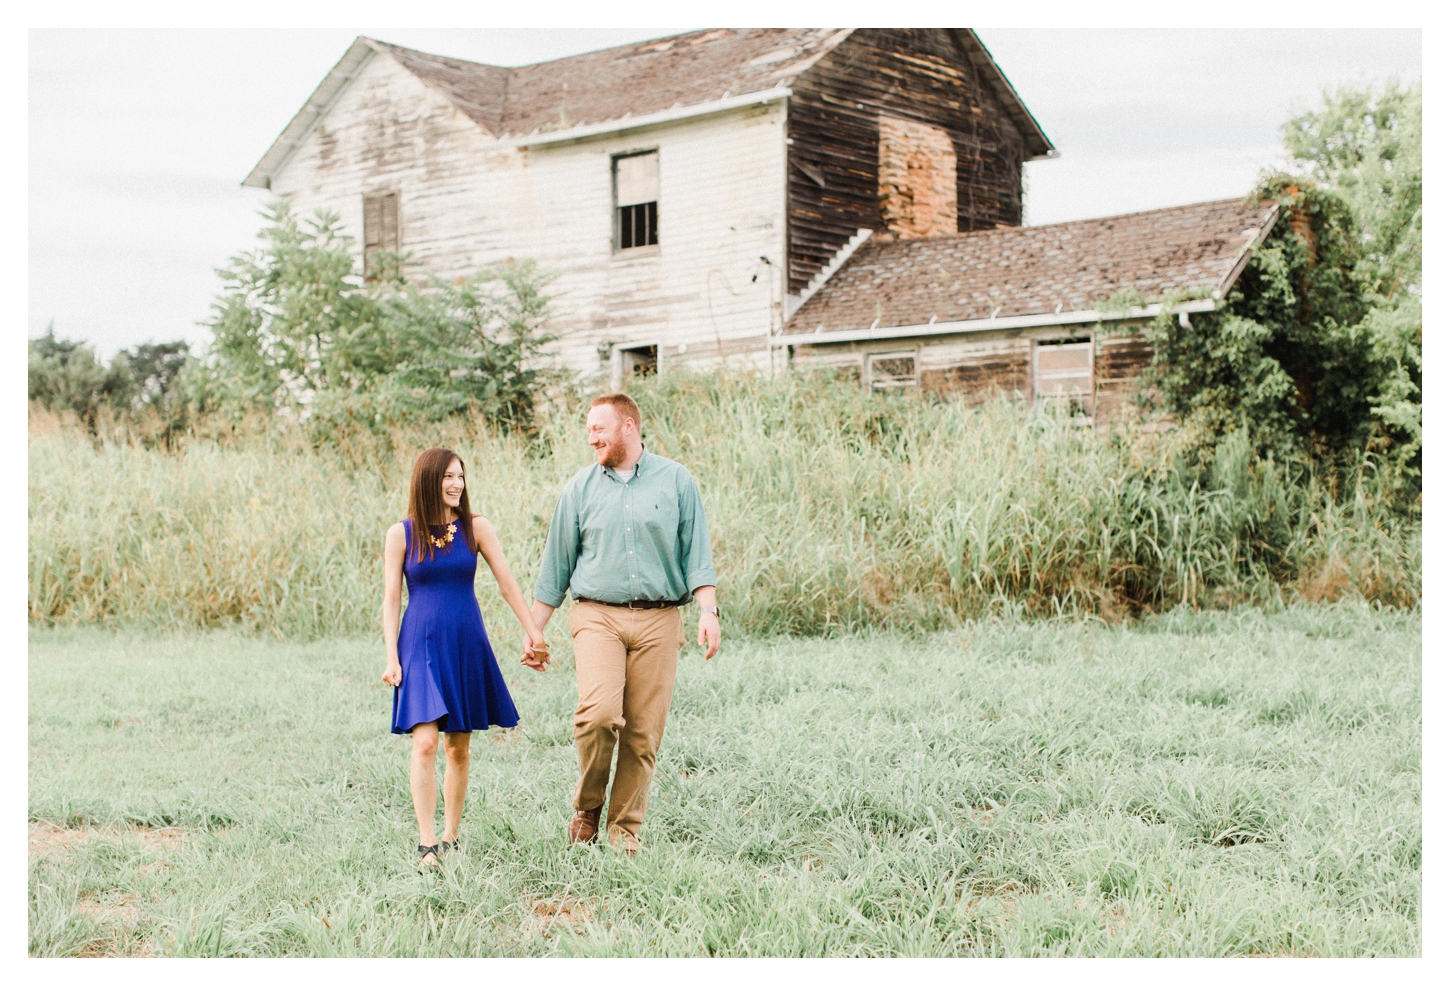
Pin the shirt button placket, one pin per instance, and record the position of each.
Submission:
(629, 544)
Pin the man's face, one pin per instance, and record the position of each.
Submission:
(607, 432)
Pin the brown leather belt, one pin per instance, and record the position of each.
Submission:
(635, 604)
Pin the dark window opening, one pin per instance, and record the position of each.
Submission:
(641, 361)
(638, 225)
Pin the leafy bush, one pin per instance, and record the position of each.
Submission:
(297, 330)
(1318, 347)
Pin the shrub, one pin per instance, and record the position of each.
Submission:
(297, 330)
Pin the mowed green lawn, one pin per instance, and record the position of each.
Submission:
(1215, 784)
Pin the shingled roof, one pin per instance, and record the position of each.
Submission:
(633, 79)
(616, 84)
(1031, 270)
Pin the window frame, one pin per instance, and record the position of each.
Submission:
(618, 356)
(892, 384)
(1040, 400)
(616, 210)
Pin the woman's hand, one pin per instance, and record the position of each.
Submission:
(394, 674)
(536, 651)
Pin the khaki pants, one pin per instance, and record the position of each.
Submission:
(625, 660)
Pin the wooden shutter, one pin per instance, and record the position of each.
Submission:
(392, 236)
(381, 230)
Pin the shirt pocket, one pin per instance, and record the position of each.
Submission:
(661, 520)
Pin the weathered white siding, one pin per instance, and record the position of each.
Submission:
(467, 200)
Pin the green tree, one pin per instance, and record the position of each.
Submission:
(282, 311)
(297, 328)
(66, 376)
(1365, 144)
(1318, 345)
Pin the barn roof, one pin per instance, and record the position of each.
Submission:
(617, 84)
(1037, 270)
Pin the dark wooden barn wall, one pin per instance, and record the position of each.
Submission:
(1119, 362)
(916, 74)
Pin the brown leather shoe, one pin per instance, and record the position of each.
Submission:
(584, 826)
(625, 840)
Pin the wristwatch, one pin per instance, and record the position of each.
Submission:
(711, 609)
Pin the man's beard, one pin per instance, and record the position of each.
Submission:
(614, 454)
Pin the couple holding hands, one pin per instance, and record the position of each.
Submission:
(629, 541)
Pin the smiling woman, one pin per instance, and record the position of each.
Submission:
(445, 677)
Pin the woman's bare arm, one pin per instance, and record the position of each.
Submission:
(492, 552)
(395, 545)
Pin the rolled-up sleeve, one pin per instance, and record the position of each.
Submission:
(695, 559)
(561, 551)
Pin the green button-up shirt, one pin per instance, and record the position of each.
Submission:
(618, 541)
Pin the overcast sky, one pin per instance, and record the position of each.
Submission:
(139, 139)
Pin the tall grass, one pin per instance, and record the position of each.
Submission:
(829, 509)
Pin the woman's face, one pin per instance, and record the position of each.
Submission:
(453, 483)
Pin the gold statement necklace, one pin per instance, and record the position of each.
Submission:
(446, 539)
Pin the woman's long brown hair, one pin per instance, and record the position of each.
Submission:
(425, 501)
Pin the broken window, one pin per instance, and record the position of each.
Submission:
(917, 178)
(381, 231)
(1062, 377)
(639, 361)
(636, 199)
(892, 371)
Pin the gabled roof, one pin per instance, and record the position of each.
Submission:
(1038, 270)
(615, 84)
(632, 79)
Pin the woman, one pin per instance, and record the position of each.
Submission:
(440, 663)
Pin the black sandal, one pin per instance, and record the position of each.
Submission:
(423, 852)
(444, 848)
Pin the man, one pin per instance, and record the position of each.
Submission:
(629, 542)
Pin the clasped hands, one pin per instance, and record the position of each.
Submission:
(536, 651)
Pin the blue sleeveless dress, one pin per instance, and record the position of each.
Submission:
(449, 671)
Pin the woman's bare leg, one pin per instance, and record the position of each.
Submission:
(455, 782)
(423, 779)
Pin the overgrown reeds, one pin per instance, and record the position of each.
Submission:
(829, 509)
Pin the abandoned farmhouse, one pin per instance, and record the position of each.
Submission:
(817, 197)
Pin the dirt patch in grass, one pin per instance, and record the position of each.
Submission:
(114, 915)
(120, 910)
(563, 913)
(51, 841)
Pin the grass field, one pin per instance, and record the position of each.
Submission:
(1212, 784)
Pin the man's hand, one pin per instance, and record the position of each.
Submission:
(709, 634)
(709, 622)
(536, 653)
(536, 649)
